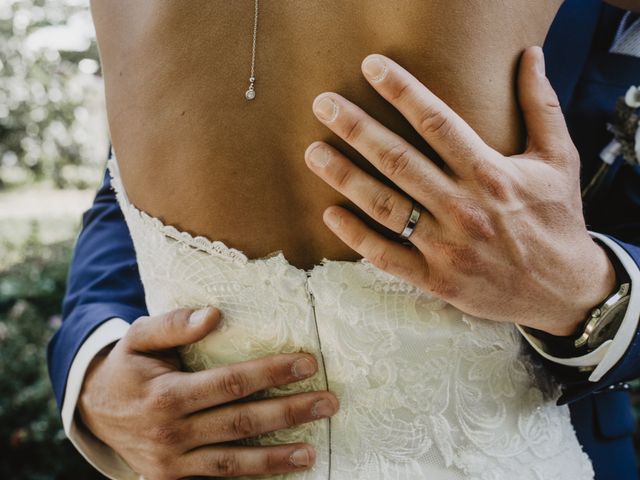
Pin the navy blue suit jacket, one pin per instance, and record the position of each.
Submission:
(104, 282)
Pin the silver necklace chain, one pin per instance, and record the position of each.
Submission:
(250, 94)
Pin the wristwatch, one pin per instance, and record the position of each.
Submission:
(601, 325)
(604, 321)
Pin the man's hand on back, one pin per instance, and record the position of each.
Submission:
(502, 238)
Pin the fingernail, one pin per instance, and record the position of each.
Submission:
(325, 108)
(322, 408)
(319, 156)
(542, 69)
(375, 68)
(333, 219)
(197, 317)
(300, 458)
(303, 368)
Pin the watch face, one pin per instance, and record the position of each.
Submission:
(608, 325)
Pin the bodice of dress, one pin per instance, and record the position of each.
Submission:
(425, 390)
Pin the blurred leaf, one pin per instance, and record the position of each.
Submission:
(42, 90)
(32, 441)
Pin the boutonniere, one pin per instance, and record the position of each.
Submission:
(626, 143)
(626, 127)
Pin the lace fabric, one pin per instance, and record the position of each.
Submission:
(426, 391)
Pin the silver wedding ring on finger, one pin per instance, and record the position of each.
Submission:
(412, 222)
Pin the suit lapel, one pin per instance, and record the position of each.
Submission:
(568, 44)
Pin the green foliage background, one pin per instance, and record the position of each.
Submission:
(33, 445)
(45, 86)
(47, 142)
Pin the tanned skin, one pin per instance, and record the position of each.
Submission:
(195, 153)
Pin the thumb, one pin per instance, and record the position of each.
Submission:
(173, 329)
(545, 122)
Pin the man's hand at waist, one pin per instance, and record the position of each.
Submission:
(168, 423)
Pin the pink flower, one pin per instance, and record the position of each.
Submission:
(55, 321)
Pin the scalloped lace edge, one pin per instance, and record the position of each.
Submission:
(200, 242)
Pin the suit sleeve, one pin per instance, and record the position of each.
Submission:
(589, 80)
(103, 283)
(104, 296)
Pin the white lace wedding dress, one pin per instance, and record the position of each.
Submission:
(426, 391)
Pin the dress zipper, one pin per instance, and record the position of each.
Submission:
(312, 300)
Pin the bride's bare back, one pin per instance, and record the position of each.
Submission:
(195, 153)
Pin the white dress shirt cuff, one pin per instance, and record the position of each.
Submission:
(610, 352)
(101, 456)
